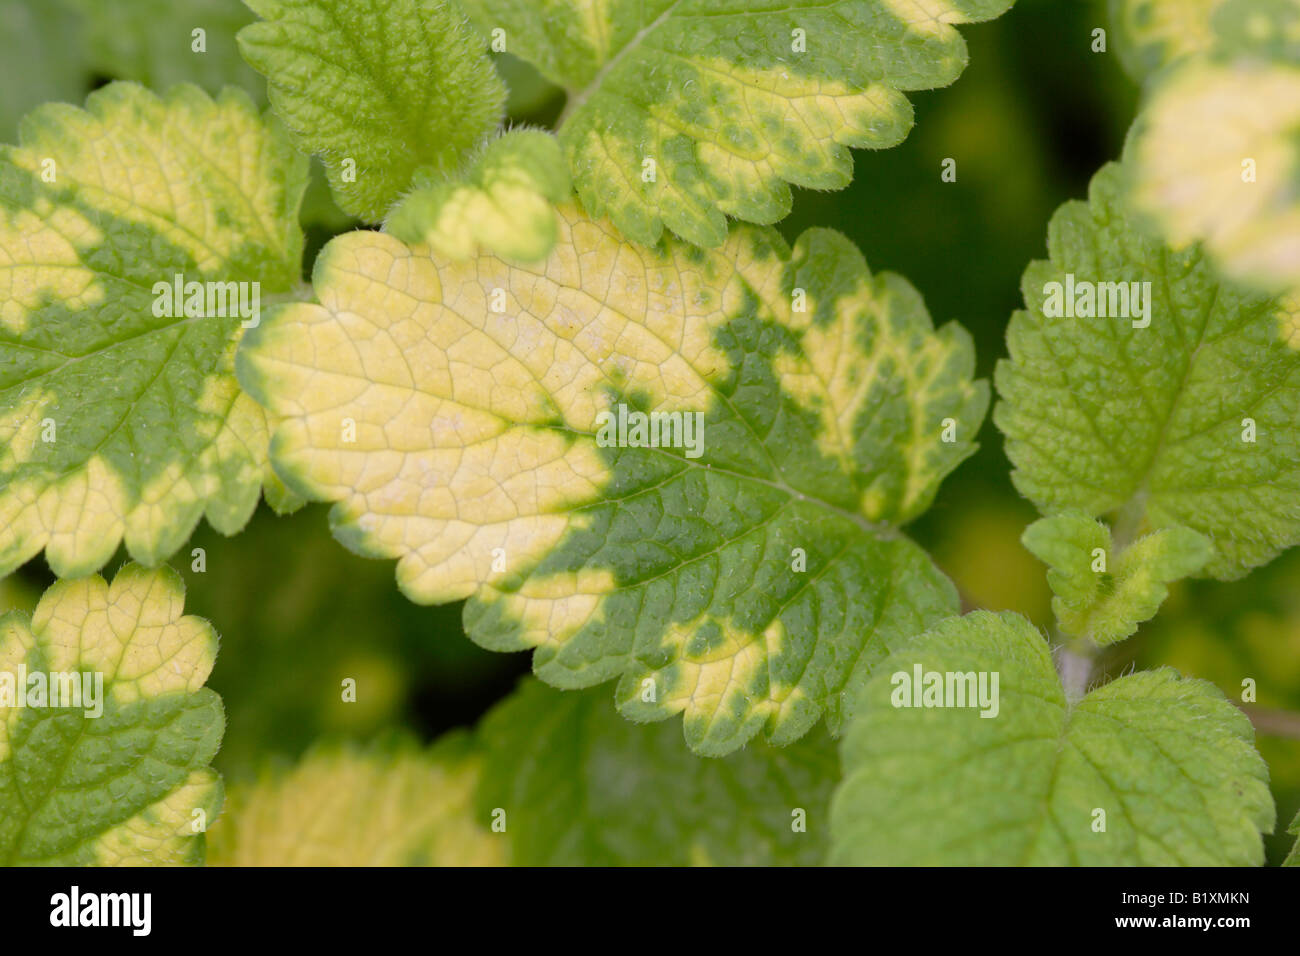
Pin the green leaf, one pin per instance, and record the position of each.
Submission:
(581, 787)
(684, 112)
(379, 91)
(1238, 191)
(465, 418)
(1293, 858)
(1168, 760)
(118, 774)
(117, 422)
(1101, 595)
(153, 41)
(503, 202)
(1188, 420)
(385, 805)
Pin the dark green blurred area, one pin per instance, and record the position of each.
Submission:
(1035, 115)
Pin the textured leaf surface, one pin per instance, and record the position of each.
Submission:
(392, 86)
(121, 788)
(717, 94)
(463, 442)
(1100, 415)
(1103, 597)
(503, 202)
(343, 806)
(1216, 159)
(1168, 759)
(116, 422)
(582, 787)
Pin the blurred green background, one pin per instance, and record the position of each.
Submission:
(1033, 117)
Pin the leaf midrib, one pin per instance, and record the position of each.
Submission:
(578, 98)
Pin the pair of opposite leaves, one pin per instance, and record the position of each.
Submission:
(763, 370)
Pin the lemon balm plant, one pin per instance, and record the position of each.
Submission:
(574, 378)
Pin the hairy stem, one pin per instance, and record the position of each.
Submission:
(1074, 662)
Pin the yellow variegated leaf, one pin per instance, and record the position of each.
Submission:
(120, 418)
(468, 419)
(108, 764)
(1217, 160)
(1153, 34)
(345, 807)
(503, 201)
(684, 112)
(1156, 32)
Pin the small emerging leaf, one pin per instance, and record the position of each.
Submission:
(130, 785)
(1149, 770)
(379, 91)
(119, 413)
(342, 806)
(1138, 379)
(477, 421)
(503, 202)
(580, 786)
(1103, 596)
(684, 112)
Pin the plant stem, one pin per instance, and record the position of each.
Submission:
(1128, 522)
(1074, 662)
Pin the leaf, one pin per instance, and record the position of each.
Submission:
(122, 787)
(347, 806)
(393, 87)
(581, 787)
(1152, 33)
(1107, 605)
(153, 41)
(503, 202)
(1168, 759)
(1101, 416)
(729, 102)
(1238, 191)
(116, 422)
(463, 441)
